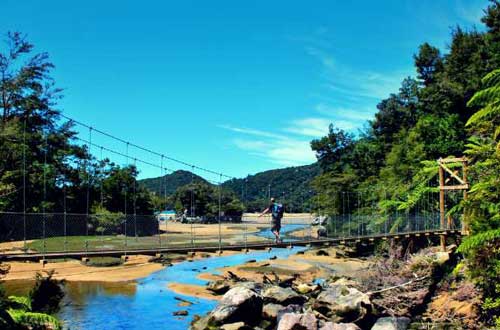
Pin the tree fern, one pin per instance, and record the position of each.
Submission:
(478, 240)
(21, 303)
(30, 319)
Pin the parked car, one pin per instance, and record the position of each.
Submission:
(321, 220)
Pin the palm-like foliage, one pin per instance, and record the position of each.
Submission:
(483, 207)
(488, 102)
(17, 314)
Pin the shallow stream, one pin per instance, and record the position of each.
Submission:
(148, 303)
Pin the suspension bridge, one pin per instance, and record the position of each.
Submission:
(54, 231)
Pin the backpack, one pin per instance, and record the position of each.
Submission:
(278, 210)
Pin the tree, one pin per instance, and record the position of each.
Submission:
(429, 63)
(331, 148)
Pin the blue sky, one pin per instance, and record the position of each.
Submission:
(236, 86)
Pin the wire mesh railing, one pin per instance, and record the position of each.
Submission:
(60, 232)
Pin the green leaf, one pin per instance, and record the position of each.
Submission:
(479, 240)
(30, 319)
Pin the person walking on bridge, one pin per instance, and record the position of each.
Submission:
(276, 210)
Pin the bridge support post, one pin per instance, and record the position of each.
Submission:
(463, 185)
(465, 225)
(442, 221)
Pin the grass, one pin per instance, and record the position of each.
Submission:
(104, 262)
(117, 242)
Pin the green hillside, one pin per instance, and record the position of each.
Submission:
(169, 183)
(290, 186)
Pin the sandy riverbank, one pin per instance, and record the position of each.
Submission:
(73, 270)
(135, 267)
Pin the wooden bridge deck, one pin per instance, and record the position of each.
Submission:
(232, 247)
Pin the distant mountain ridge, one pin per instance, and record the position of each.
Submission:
(290, 186)
(169, 183)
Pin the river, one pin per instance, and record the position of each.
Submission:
(148, 303)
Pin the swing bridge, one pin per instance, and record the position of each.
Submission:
(52, 235)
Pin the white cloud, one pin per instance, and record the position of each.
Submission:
(279, 149)
(251, 131)
(312, 127)
(353, 82)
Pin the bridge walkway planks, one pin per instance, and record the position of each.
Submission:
(233, 247)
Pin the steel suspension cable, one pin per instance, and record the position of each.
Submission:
(343, 213)
(148, 150)
(245, 228)
(101, 180)
(24, 185)
(64, 204)
(135, 199)
(160, 193)
(165, 201)
(87, 169)
(359, 215)
(220, 209)
(349, 213)
(192, 207)
(125, 187)
(44, 195)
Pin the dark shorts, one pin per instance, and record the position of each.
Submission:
(275, 224)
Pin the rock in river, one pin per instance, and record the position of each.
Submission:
(391, 323)
(239, 304)
(219, 286)
(339, 326)
(292, 321)
(270, 311)
(282, 296)
(235, 326)
(273, 312)
(180, 313)
(342, 303)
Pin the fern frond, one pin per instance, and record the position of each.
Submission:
(22, 303)
(489, 110)
(492, 78)
(30, 319)
(479, 240)
(485, 96)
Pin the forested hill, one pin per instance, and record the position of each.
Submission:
(169, 183)
(290, 185)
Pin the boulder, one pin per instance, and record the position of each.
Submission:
(304, 288)
(391, 323)
(239, 304)
(342, 303)
(292, 321)
(282, 296)
(297, 309)
(339, 326)
(256, 287)
(180, 313)
(270, 311)
(235, 326)
(274, 312)
(343, 281)
(199, 323)
(219, 286)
